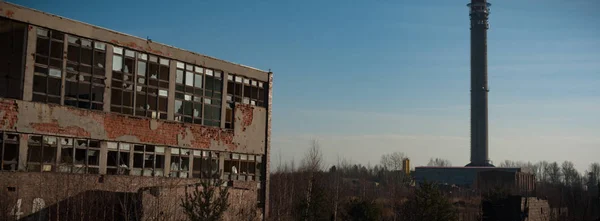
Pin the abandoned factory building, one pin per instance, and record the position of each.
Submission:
(107, 111)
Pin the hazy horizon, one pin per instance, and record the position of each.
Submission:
(373, 77)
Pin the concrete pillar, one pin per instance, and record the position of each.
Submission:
(221, 163)
(29, 63)
(266, 161)
(103, 156)
(171, 97)
(63, 71)
(107, 81)
(23, 138)
(224, 99)
(167, 161)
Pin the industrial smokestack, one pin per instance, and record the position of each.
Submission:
(479, 12)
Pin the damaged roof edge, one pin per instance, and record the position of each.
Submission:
(121, 33)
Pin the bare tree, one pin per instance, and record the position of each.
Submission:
(439, 162)
(393, 161)
(594, 174)
(542, 173)
(554, 173)
(311, 164)
(313, 160)
(570, 175)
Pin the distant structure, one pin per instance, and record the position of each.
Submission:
(464, 177)
(406, 166)
(479, 12)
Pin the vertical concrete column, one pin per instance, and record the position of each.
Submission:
(103, 156)
(29, 63)
(221, 162)
(267, 159)
(130, 164)
(171, 97)
(224, 99)
(107, 80)
(23, 138)
(63, 71)
(167, 161)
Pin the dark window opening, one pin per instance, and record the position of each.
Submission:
(79, 156)
(9, 151)
(84, 85)
(41, 153)
(12, 57)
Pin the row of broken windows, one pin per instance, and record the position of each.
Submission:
(140, 81)
(69, 155)
(198, 95)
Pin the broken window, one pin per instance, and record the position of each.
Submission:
(205, 164)
(198, 95)
(188, 93)
(252, 92)
(242, 90)
(79, 156)
(12, 56)
(118, 158)
(84, 83)
(152, 87)
(9, 155)
(212, 98)
(180, 162)
(41, 153)
(122, 83)
(240, 166)
(48, 66)
(148, 160)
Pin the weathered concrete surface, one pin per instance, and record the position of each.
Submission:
(249, 128)
(38, 118)
(159, 197)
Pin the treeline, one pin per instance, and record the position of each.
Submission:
(345, 191)
(308, 190)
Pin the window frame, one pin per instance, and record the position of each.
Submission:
(205, 158)
(181, 171)
(142, 90)
(96, 75)
(153, 171)
(42, 164)
(236, 160)
(121, 107)
(73, 166)
(4, 140)
(45, 96)
(120, 148)
(189, 93)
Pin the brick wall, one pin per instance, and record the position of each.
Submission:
(30, 117)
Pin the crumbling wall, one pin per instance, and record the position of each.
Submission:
(155, 197)
(249, 128)
(537, 209)
(38, 118)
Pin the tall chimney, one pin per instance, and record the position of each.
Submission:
(479, 12)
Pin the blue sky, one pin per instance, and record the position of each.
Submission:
(367, 78)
